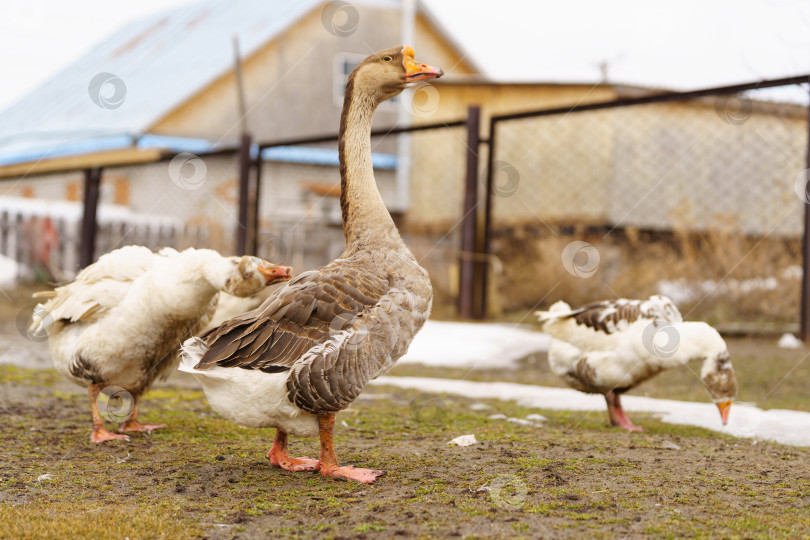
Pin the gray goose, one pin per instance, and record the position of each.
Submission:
(117, 326)
(612, 346)
(308, 351)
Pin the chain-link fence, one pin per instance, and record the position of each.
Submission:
(182, 201)
(420, 176)
(700, 199)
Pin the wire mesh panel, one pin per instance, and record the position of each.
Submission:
(188, 201)
(694, 199)
(420, 180)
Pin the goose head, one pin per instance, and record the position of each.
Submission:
(249, 275)
(717, 373)
(719, 378)
(385, 74)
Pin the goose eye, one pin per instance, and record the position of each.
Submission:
(387, 58)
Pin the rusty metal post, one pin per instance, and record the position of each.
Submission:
(466, 265)
(254, 214)
(493, 147)
(243, 227)
(804, 318)
(87, 243)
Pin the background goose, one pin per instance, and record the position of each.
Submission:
(121, 321)
(610, 347)
(310, 349)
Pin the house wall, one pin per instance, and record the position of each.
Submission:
(289, 81)
(662, 166)
(439, 166)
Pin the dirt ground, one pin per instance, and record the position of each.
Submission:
(571, 476)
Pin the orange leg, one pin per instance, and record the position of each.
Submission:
(328, 464)
(99, 434)
(131, 424)
(279, 457)
(617, 415)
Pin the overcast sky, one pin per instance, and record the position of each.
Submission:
(684, 44)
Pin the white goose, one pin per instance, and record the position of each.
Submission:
(612, 346)
(310, 349)
(121, 321)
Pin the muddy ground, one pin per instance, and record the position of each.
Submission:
(571, 476)
(568, 477)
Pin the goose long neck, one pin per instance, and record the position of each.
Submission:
(366, 220)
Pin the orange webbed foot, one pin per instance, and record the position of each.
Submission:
(137, 426)
(353, 474)
(292, 464)
(100, 435)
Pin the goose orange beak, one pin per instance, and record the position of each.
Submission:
(274, 272)
(415, 71)
(725, 408)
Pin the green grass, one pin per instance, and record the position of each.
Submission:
(204, 476)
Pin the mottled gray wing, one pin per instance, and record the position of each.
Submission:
(612, 316)
(298, 317)
(333, 373)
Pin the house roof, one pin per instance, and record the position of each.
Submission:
(144, 70)
(140, 73)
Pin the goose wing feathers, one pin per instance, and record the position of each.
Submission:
(307, 312)
(611, 316)
(99, 287)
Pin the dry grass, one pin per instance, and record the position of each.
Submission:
(734, 277)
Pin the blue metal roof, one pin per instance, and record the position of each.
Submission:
(140, 73)
(320, 156)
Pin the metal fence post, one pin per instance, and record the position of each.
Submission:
(244, 225)
(804, 317)
(467, 263)
(87, 244)
(493, 147)
(254, 210)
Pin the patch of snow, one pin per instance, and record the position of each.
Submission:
(43, 477)
(520, 421)
(452, 344)
(746, 421)
(683, 290)
(670, 445)
(478, 407)
(498, 416)
(537, 418)
(463, 440)
(789, 341)
(9, 270)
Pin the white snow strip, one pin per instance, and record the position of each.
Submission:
(9, 270)
(782, 426)
(453, 344)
